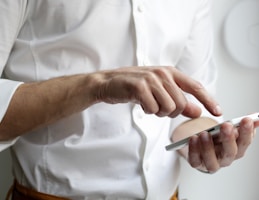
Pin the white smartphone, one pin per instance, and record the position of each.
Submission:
(213, 131)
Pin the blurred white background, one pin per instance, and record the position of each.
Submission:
(237, 94)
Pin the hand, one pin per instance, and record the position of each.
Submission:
(210, 154)
(159, 90)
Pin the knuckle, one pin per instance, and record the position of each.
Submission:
(181, 105)
(174, 114)
(161, 71)
(150, 75)
(225, 164)
(197, 86)
(228, 159)
(140, 87)
(162, 112)
(178, 108)
(231, 155)
(194, 160)
(213, 169)
(240, 155)
(170, 108)
(244, 144)
(195, 163)
(151, 110)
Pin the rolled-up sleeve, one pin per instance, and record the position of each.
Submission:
(7, 89)
(12, 14)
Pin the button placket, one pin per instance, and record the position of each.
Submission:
(141, 7)
(140, 27)
(146, 166)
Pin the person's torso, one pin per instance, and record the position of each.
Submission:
(106, 151)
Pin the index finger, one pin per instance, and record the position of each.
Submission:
(195, 88)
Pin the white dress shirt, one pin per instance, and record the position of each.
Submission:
(106, 151)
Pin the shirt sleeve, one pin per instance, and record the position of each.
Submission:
(12, 14)
(197, 58)
(7, 89)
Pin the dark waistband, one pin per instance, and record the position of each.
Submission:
(20, 192)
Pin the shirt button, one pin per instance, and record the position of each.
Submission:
(146, 166)
(146, 62)
(141, 8)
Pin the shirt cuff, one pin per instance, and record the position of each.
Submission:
(6, 144)
(7, 89)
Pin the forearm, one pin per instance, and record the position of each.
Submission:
(38, 104)
(189, 128)
(159, 90)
